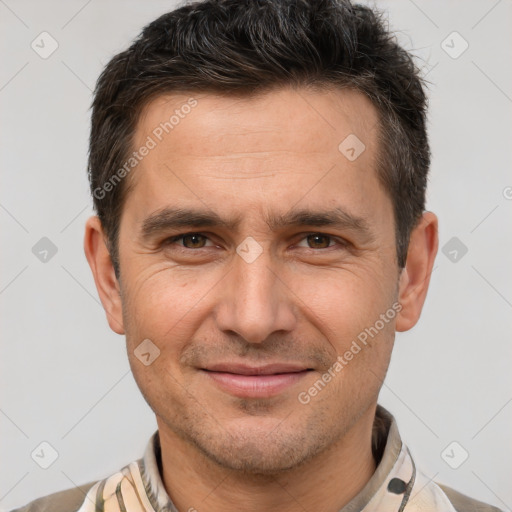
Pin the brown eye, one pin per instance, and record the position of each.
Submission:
(187, 241)
(318, 241)
(194, 241)
(322, 241)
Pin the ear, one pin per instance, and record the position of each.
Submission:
(415, 277)
(98, 256)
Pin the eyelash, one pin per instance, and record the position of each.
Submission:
(171, 240)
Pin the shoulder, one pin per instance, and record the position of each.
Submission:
(463, 503)
(69, 500)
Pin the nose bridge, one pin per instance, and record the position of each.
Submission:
(255, 302)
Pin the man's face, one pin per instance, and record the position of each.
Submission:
(218, 314)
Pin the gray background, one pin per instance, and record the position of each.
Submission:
(64, 375)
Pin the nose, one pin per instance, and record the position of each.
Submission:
(255, 301)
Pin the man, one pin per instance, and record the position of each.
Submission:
(259, 172)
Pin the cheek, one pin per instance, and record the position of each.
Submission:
(355, 315)
(344, 302)
(162, 293)
(163, 304)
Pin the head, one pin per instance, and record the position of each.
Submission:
(290, 136)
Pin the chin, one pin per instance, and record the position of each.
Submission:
(260, 451)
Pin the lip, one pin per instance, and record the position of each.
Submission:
(267, 369)
(246, 381)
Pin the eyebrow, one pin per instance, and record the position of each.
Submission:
(178, 218)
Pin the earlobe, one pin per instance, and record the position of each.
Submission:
(99, 259)
(415, 277)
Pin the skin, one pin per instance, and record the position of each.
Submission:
(303, 300)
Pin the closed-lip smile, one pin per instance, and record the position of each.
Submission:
(255, 381)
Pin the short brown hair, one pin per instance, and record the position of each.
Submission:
(248, 47)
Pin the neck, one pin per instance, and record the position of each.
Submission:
(326, 483)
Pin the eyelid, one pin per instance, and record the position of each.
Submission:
(175, 238)
(342, 242)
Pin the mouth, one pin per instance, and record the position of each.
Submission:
(246, 381)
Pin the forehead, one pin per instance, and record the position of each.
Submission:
(279, 147)
(288, 116)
